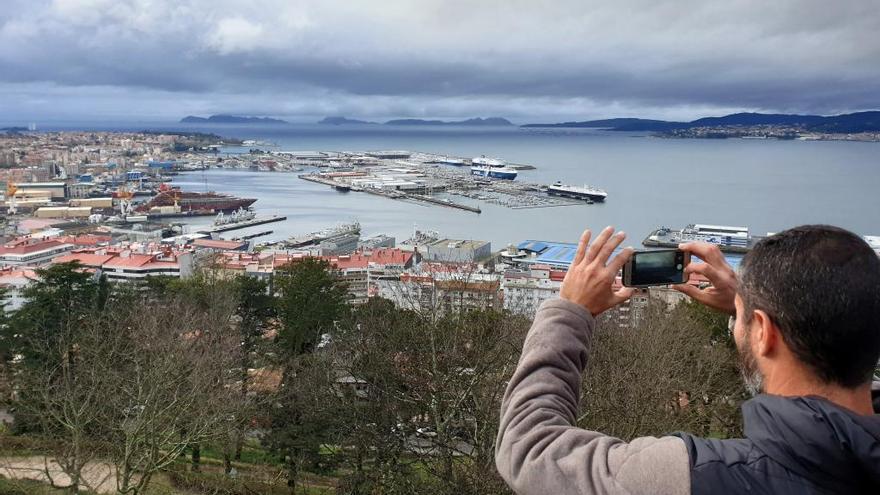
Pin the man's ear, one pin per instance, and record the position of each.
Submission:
(765, 336)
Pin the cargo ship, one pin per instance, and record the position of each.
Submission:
(728, 239)
(194, 201)
(492, 168)
(588, 193)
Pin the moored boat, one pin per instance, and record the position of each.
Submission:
(587, 193)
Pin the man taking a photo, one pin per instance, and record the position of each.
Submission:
(807, 327)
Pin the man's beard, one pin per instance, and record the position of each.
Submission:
(748, 367)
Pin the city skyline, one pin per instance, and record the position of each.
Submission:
(162, 60)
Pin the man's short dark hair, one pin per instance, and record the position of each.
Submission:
(821, 286)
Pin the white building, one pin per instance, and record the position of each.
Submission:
(525, 290)
(31, 251)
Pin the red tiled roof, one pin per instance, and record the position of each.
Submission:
(130, 261)
(85, 259)
(385, 256)
(27, 245)
(86, 239)
(8, 275)
(219, 244)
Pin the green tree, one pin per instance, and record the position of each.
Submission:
(56, 305)
(52, 382)
(255, 308)
(311, 302)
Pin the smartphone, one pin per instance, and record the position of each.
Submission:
(655, 267)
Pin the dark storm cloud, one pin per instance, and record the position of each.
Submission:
(533, 59)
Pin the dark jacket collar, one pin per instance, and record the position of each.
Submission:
(816, 439)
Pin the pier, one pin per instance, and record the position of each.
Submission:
(241, 225)
(392, 194)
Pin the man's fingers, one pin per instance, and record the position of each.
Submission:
(704, 269)
(582, 247)
(705, 251)
(623, 294)
(688, 289)
(621, 259)
(609, 247)
(597, 244)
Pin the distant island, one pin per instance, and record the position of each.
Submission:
(14, 129)
(230, 119)
(858, 122)
(491, 121)
(344, 121)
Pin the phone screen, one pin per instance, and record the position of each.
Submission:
(657, 267)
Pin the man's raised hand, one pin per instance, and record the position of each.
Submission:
(589, 279)
(720, 295)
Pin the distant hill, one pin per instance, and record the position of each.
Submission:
(344, 120)
(230, 119)
(614, 124)
(849, 123)
(846, 123)
(491, 121)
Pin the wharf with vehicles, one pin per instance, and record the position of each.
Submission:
(729, 239)
(337, 238)
(242, 224)
(422, 177)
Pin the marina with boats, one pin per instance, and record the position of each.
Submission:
(439, 180)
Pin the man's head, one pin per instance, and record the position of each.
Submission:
(811, 296)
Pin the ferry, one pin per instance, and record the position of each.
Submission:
(728, 239)
(492, 168)
(456, 162)
(588, 193)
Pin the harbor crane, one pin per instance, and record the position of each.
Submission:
(11, 201)
(124, 194)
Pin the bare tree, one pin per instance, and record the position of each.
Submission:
(170, 384)
(668, 372)
(57, 396)
(137, 384)
(425, 390)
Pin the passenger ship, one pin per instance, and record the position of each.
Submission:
(588, 193)
(492, 168)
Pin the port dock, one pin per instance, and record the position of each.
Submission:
(391, 194)
(241, 225)
(426, 178)
(735, 240)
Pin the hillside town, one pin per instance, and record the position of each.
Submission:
(103, 200)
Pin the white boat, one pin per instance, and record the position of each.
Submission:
(239, 215)
(457, 162)
(493, 168)
(588, 193)
(488, 162)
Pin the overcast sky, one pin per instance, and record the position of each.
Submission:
(525, 60)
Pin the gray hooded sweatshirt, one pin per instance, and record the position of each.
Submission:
(792, 445)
